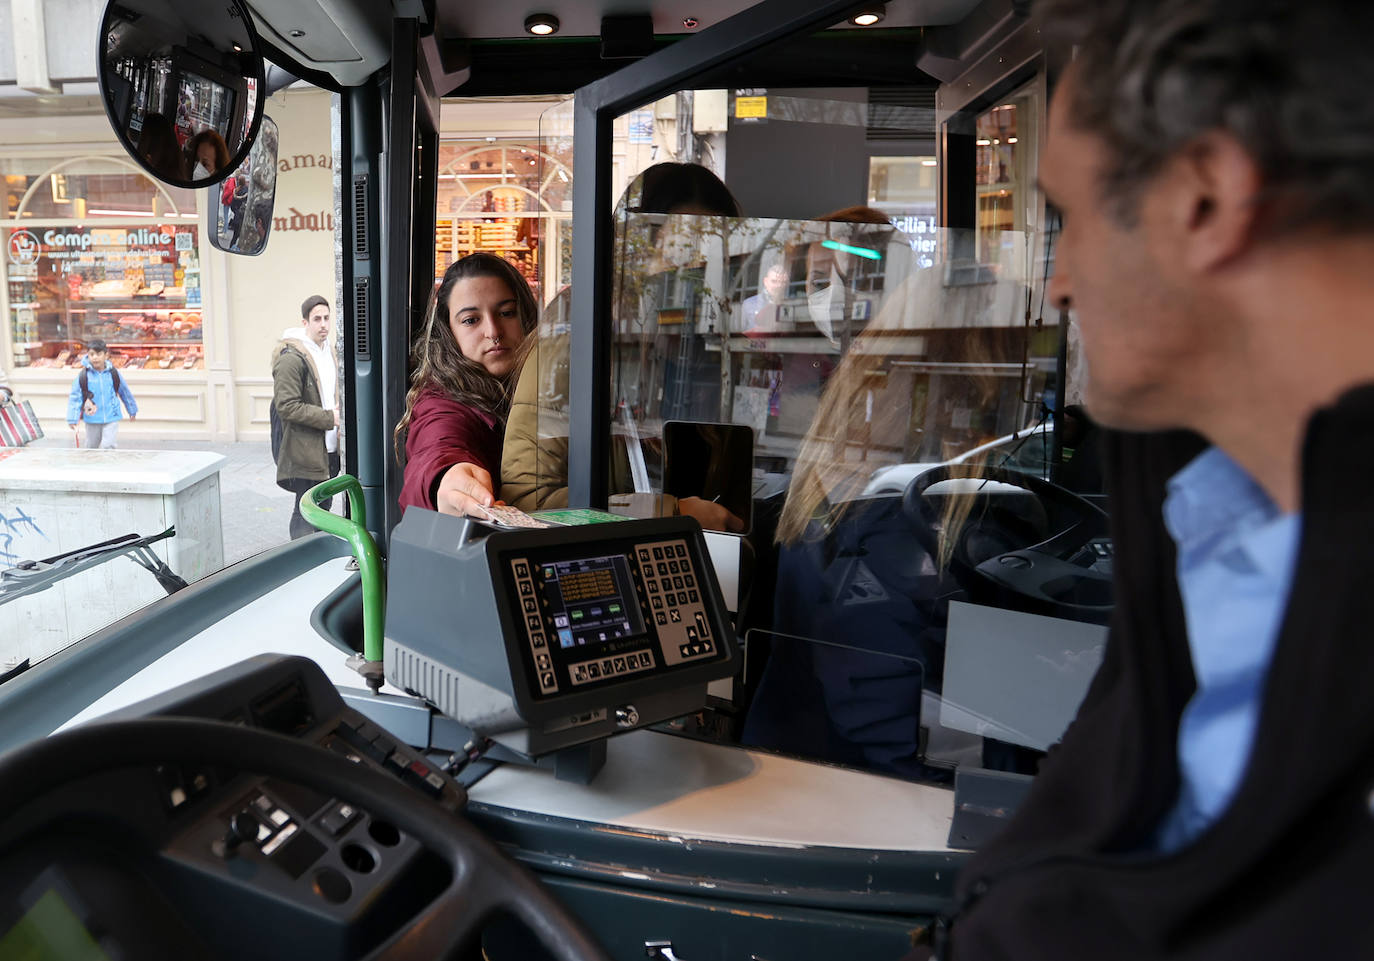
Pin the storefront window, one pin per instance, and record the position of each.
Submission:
(137, 288)
(94, 251)
(1006, 144)
(503, 198)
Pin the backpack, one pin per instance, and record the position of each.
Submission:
(86, 394)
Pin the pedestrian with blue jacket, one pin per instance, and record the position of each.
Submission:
(95, 397)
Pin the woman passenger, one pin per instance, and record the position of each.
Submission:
(456, 409)
(207, 154)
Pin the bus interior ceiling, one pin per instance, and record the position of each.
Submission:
(476, 50)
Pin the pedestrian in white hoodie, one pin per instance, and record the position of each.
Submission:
(305, 396)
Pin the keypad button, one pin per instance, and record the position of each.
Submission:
(593, 671)
(675, 616)
(643, 553)
(659, 618)
(693, 596)
(681, 551)
(682, 597)
(521, 570)
(658, 553)
(662, 569)
(542, 660)
(546, 679)
(537, 640)
(691, 581)
(656, 601)
(620, 665)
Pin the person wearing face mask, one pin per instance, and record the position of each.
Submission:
(464, 359)
(207, 153)
(830, 272)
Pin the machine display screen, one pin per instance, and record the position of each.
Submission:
(591, 600)
(587, 615)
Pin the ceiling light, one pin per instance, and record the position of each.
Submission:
(868, 17)
(541, 24)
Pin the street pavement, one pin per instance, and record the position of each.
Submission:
(255, 512)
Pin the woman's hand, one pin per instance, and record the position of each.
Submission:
(710, 515)
(463, 488)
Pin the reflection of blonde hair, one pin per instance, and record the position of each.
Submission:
(823, 477)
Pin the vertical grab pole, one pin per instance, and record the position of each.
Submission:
(354, 530)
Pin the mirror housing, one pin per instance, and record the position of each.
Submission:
(183, 86)
(241, 207)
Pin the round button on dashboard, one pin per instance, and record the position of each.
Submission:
(332, 885)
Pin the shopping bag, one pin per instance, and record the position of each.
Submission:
(18, 425)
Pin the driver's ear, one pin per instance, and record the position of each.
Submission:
(1213, 192)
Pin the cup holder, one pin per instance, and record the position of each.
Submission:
(358, 858)
(384, 833)
(332, 886)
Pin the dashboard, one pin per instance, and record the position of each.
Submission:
(176, 859)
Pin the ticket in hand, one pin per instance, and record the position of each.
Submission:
(513, 517)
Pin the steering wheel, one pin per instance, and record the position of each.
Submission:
(1037, 577)
(482, 878)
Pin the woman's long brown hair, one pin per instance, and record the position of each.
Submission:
(441, 366)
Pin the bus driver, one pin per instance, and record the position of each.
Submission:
(1214, 797)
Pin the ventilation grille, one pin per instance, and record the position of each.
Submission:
(413, 672)
(360, 218)
(362, 320)
(901, 113)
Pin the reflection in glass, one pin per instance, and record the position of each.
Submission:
(861, 349)
(180, 86)
(849, 347)
(241, 206)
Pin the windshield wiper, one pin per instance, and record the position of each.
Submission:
(30, 577)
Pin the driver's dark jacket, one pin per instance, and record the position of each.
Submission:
(1288, 871)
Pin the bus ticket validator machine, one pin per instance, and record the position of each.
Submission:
(549, 641)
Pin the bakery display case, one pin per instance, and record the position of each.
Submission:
(515, 238)
(138, 290)
(501, 198)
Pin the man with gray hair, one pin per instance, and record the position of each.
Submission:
(1214, 797)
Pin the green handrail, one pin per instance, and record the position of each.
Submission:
(354, 530)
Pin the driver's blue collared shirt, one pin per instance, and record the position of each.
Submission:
(1236, 553)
